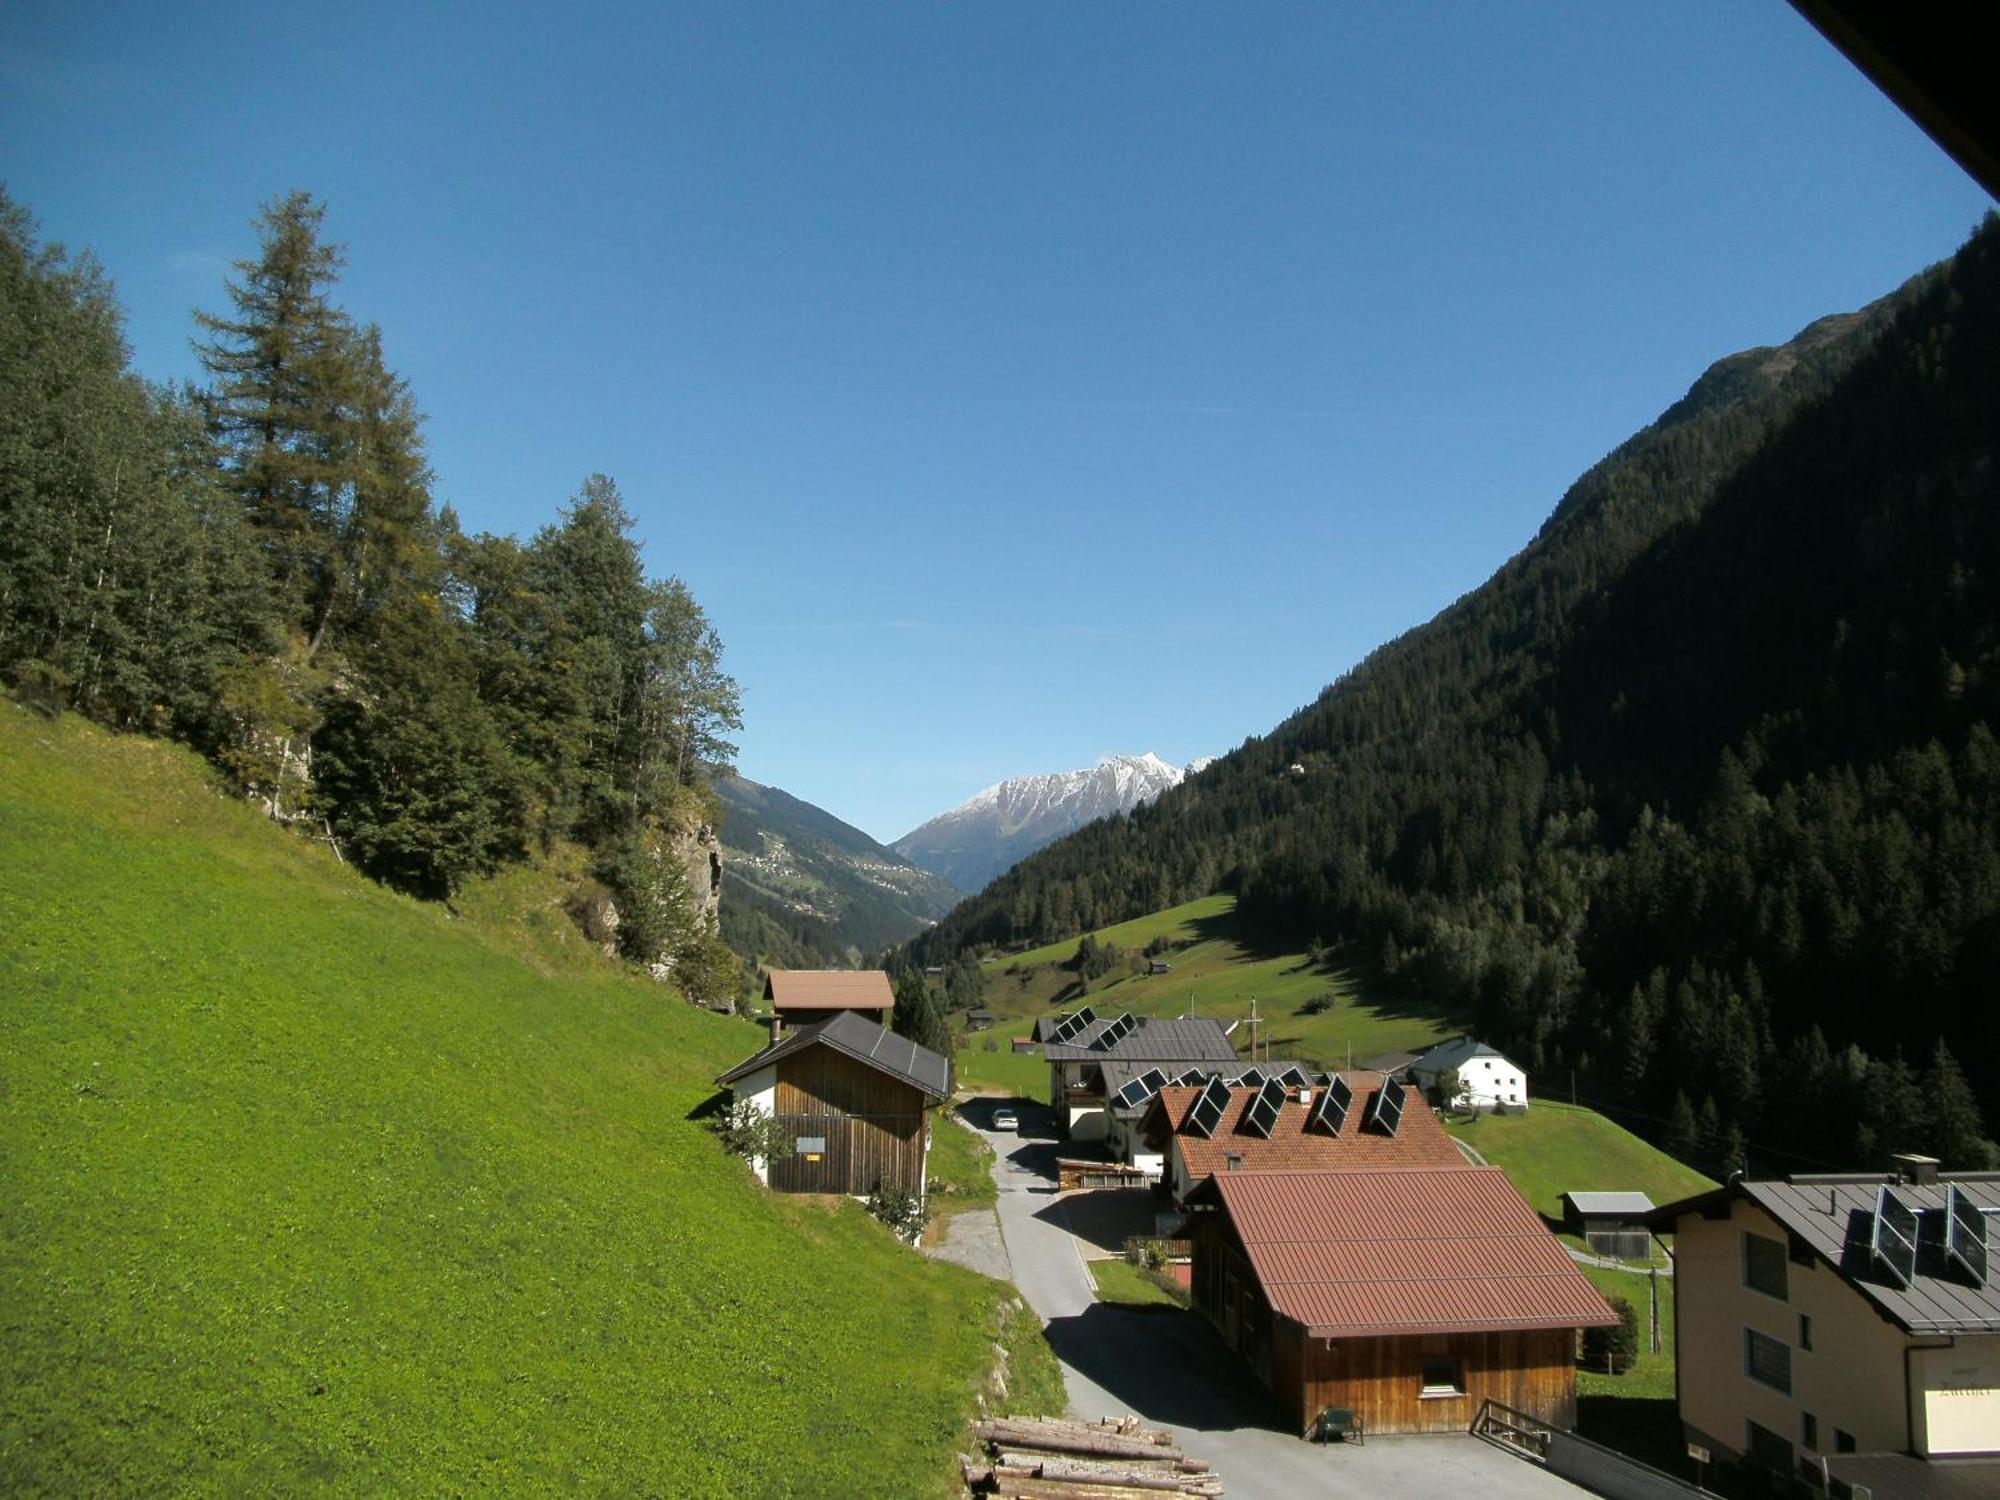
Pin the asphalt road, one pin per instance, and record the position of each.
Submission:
(1170, 1368)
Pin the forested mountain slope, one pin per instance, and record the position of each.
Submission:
(1698, 795)
(313, 1187)
(805, 890)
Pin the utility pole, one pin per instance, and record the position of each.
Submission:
(1254, 1023)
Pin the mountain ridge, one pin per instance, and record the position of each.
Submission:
(805, 889)
(1002, 824)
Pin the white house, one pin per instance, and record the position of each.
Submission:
(1485, 1077)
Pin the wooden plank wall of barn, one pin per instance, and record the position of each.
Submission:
(1532, 1370)
(873, 1125)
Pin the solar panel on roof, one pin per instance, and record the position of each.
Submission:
(1263, 1111)
(1965, 1234)
(1894, 1241)
(1386, 1111)
(1085, 1016)
(1192, 1075)
(1113, 1034)
(1065, 1028)
(1293, 1076)
(1329, 1111)
(1251, 1078)
(1206, 1111)
(1142, 1088)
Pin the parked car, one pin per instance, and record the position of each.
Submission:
(1006, 1119)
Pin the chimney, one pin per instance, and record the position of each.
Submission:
(1232, 1161)
(1920, 1170)
(777, 1028)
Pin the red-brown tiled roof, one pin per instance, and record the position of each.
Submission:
(1418, 1142)
(1377, 1252)
(829, 989)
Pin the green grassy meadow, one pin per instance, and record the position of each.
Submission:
(1123, 1283)
(311, 1186)
(1560, 1148)
(960, 1173)
(1214, 973)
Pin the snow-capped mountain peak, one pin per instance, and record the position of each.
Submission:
(1004, 823)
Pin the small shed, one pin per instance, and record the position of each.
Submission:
(1159, 966)
(1610, 1223)
(852, 1098)
(1025, 1044)
(979, 1020)
(800, 997)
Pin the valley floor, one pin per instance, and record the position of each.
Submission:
(1170, 1369)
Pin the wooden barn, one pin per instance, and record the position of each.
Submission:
(853, 1099)
(1406, 1296)
(799, 997)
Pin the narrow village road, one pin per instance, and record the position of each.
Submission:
(1169, 1368)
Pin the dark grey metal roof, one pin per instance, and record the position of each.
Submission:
(1834, 1214)
(1910, 1478)
(864, 1041)
(1154, 1039)
(1454, 1053)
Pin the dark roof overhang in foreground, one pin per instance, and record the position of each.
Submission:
(1388, 1252)
(1834, 1215)
(864, 1041)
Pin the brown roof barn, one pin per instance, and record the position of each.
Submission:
(851, 1096)
(1406, 1295)
(801, 996)
(1293, 1143)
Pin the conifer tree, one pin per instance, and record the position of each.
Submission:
(282, 402)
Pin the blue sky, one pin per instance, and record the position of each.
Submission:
(1013, 384)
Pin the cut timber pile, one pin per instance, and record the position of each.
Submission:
(1048, 1458)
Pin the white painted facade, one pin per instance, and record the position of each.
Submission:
(1485, 1078)
(760, 1091)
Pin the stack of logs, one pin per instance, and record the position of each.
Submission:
(1047, 1458)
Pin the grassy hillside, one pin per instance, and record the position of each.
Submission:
(1318, 1012)
(312, 1186)
(1558, 1148)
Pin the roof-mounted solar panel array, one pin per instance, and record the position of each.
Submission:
(1114, 1033)
(1894, 1240)
(1329, 1111)
(1068, 1026)
(1263, 1111)
(1206, 1111)
(1192, 1076)
(1142, 1088)
(1965, 1234)
(1292, 1076)
(1251, 1078)
(1385, 1110)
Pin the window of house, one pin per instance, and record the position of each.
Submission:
(1768, 1450)
(1764, 1263)
(1767, 1361)
(1805, 1331)
(1443, 1377)
(1843, 1442)
(1808, 1430)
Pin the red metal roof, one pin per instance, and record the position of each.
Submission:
(1418, 1142)
(1373, 1252)
(829, 989)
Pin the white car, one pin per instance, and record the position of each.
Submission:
(1006, 1119)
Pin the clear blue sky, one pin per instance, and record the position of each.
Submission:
(1013, 383)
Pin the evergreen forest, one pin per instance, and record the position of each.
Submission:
(257, 566)
(1697, 800)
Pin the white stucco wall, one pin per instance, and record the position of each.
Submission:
(1959, 1408)
(760, 1091)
